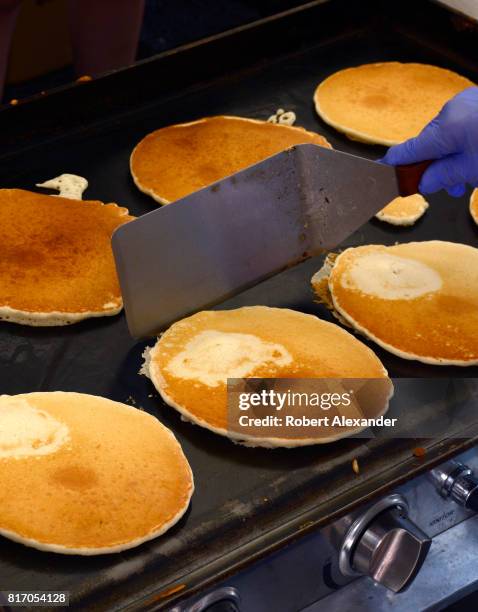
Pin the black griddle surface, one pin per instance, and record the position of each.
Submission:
(247, 501)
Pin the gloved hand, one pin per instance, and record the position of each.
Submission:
(451, 139)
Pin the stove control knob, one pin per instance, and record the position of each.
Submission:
(385, 545)
(391, 550)
(456, 481)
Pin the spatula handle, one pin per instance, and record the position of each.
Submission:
(409, 177)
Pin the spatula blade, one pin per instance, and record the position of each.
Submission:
(216, 242)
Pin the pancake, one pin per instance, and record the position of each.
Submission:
(474, 205)
(85, 475)
(177, 160)
(190, 363)
(56, 262)
(417, 300)
(404, 211)
(386, 103)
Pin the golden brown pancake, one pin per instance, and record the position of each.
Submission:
(84, 475)
(417, 300)
(177, 160)
(56, 262)
(404, 211)
(190, 363)
(386, 103)
(474, 205)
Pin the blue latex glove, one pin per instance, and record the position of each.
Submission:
(451, 139)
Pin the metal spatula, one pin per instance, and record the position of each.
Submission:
(215, 243)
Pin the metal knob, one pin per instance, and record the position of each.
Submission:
(391, 550)
(385, 545)
(456, 481)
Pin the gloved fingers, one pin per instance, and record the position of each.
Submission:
(429, 144)
(450, 173)
(457, 191)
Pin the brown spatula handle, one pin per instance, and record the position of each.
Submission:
(409, 177)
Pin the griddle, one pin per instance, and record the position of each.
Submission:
(248, 502)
